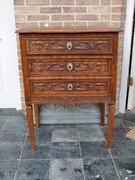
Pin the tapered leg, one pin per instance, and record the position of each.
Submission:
(102, 113)
(110, 125)
(30, 126)
(36, 115)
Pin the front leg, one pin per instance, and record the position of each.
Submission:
(110, 125)
(30, 126)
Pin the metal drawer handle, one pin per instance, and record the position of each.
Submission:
(69, 45)
(70, 87)
(69, 66)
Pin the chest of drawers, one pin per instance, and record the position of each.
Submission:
(69, 66)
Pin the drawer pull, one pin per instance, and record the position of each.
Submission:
(70, 87)
(69, 66)
(69, 45)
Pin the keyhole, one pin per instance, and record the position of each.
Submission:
(70, 87)
(69, 66)
(69, 46)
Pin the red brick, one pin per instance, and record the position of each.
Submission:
(50, 24)
(28, 24)
(119, 2)
(116, 24)
(118, 9)
(75, 24)
(118, 17)
(26, 10)
(62, 2)
(105, 17)
(74, 9)
(105, 2)
(99, 24)
(18, 2)
(87, 2)
(89, 17)
(99, 9)
(38, 17)
(37, 2)
(50, 10)
(62, 17)
(20, 18)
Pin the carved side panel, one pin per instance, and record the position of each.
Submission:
(43, 45)
(60, 87)
(92, 66)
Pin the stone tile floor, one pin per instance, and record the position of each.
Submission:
(65, 152)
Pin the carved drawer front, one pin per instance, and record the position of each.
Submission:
(70, 66)
(71, 87)
(69, 45)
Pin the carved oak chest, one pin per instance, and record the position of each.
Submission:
(69, 66)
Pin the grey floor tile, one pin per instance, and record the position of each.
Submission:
(118, 123)
(16, 122)
(7, 169)
(130, 117)
(126, 168)
(128, 124)
(94, 149)
(123, 149)
(10, 112)
(119, 134)
(65, 150)
(89, 133)
(42, 134)
(33, 170)
(42, 152)
(102, 169)
(9, 151)
(66, 169)
(3, 121)
(64, 135)
(13, 135)
(60, 126)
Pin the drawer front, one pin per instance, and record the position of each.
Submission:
(69, 45)
(93, 66)
(71, 87)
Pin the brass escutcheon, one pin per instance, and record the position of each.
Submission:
(70, 87)
(69, 45)
(69, 66)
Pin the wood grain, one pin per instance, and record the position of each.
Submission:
(69, 66)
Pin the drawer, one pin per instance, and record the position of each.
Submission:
(42, 45)
(91, 66)
(91, 87)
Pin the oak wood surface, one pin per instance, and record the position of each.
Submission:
(69, 66)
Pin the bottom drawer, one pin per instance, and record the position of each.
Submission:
(94, 87)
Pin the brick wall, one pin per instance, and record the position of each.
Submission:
(34, 13)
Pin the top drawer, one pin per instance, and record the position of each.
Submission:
(55, 45)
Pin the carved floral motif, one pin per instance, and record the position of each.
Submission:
(90, 66)
(38, 87)
(38, 46)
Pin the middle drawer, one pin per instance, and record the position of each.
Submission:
(60, 67)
